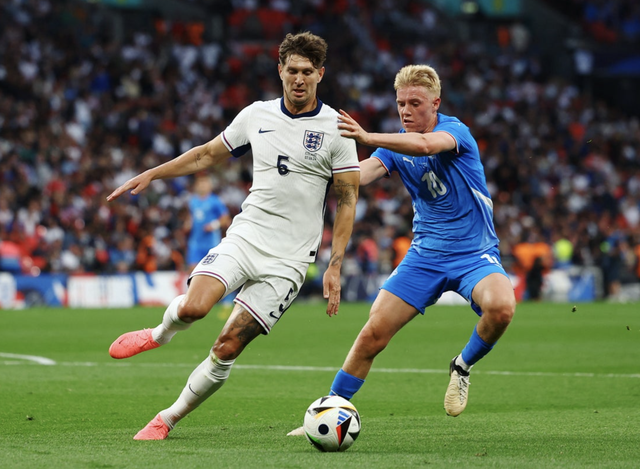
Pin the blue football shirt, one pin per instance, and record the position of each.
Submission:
(453, 211)
(204, 211)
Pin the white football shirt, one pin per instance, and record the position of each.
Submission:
(294, 159)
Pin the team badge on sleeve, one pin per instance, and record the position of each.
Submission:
(208, 259)
(313, 140)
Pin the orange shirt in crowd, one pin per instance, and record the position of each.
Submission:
(400, 247)
(526, 254)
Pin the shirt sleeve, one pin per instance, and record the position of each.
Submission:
(235, 137)
(460, 134)
(344, 156)
(387, 159)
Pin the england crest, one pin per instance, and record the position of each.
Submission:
(313, 140)
(208, 259)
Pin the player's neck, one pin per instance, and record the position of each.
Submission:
(432, 125)
(310, 106)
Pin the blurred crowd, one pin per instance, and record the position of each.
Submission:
(608, 21)
(82, 110)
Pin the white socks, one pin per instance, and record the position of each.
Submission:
(171, 323)
(206, 379)
(462, 364)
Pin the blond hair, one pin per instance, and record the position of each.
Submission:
(418, 75)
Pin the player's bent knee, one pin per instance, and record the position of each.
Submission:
(501, 314)
(190, 311)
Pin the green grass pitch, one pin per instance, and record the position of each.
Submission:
(561, 389)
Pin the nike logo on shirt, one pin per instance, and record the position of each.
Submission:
(265, 131)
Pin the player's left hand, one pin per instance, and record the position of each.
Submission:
(331, 289)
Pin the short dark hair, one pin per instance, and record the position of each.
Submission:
(306, 45)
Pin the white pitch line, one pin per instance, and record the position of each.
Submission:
(34, 360)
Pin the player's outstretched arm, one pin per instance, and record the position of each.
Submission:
(191, 161)
(346, 187)
(408, 143)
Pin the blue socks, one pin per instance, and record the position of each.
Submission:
(475, 349)
(345, 385)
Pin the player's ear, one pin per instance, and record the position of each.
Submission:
(320, 74)
(436, 103)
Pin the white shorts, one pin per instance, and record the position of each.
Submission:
(269, 284)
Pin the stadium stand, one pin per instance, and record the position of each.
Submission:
(91, 94)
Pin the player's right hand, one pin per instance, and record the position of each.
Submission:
(135, 184)
(351, 129)
(331, 290)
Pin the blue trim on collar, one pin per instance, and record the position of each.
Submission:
(312, 113)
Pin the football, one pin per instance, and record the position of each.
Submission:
(331, 423)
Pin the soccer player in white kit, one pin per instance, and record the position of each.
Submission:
(297, 153)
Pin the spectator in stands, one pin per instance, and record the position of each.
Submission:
(533, 258)
(122, 257)
(535, 280)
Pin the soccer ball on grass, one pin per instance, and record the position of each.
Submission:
(331, 423)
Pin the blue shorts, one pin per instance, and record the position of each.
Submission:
(421, 280)
(196, 252)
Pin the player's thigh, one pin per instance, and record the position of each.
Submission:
(418, 281)
(229, 263)
(388, 315)
(203, 293)
(481, 280)
(267, 299)
(494, 294)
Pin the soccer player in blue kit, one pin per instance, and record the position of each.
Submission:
(208, 217)
(455, 246)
